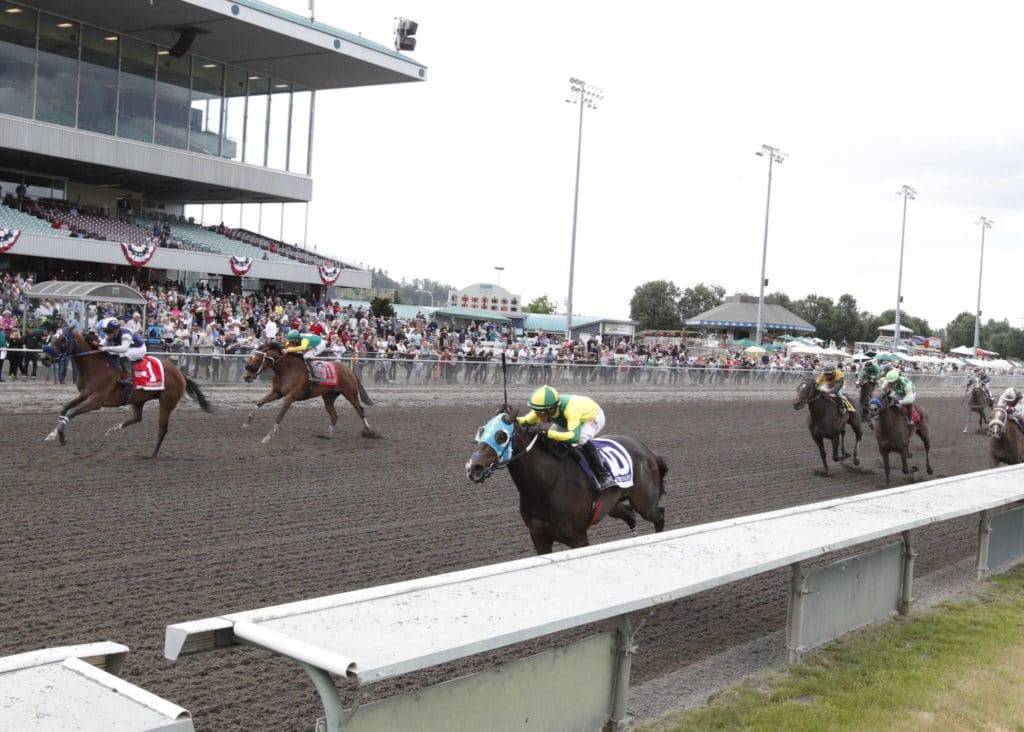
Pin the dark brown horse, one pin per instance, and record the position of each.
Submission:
(866, 387)
(99, 385)
(894, 434)
(977, 403)
(827, 419)
(1007, 439)
(291, 384)
(555, 498)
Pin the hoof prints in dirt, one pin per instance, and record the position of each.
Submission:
(218, 523)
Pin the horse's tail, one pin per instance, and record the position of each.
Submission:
(662, 470)
(196, 393)
(363, 396)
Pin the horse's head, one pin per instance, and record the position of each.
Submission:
(261, 359)
(63, 344)
(493, 447)
(997, 425)
(806, 391)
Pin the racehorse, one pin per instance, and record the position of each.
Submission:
(867, 388)
(555, 498)
(894, 434)
(291, 383)
(1007, 439)
(977, 401)
(826, 421)
(99, 385)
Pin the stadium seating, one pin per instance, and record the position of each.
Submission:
(218, 243)
(12, 218)
(106, 228)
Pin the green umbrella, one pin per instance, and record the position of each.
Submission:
(785, 338)
(887, 357)
(745, 342)
(773, 347)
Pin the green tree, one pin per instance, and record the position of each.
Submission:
(1003, 338)
(540, 305)
(654, 306)
(700, 298)
(844, 321)
(381, 307)
(960, 331)
(816, 310)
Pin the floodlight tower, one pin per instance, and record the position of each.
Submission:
(774, 155)
(984, 224)
(909, 194)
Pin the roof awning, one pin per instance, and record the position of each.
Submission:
(749, 324)
(111, 292)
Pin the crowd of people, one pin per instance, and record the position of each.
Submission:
(209, 333)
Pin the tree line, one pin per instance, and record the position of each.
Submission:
(662, 305)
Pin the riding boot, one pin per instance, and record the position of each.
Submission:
(127, 376)
(309, 370)
(604, 477)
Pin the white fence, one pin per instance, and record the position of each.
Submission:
(378, 633)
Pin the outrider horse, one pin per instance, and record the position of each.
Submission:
(555, 497)
(99, 385)
(894, 434)
(291, 383)
(977, 402)
(1007, 439)
(827, 419)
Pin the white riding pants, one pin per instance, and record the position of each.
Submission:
(135, 353)
(315, 351)
(591, 429)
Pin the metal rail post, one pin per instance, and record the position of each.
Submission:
(334, 712)
(984, 539)
(624, 650)
(907, 583)
(795, 619)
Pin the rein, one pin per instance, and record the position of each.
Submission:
(265, 357)
(496, 466)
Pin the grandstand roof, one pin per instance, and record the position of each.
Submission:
(741, 312)
(253, 34)
(111, 292)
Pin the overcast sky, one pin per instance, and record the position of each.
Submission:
(474, 168)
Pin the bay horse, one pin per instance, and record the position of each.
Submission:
(556, 501)
(1007, 439)
(827, 420)
(894, 434)
(99, 385)
(866, 387)
(977, 401)
(291, 384)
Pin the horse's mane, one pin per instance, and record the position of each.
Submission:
(273, 346)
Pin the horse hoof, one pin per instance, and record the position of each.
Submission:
(50, 437)
(930, 471)
(245, 425)
(112, 430)
(856, 461)
(265, 440)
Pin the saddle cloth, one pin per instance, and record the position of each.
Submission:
(326, 372)
(149, 374)
(615, 457)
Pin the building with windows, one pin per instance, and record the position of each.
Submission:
(116, 115)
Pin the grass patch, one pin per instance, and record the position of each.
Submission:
(957, 667)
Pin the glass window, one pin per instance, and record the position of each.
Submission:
(17, 59)
(277, 138)
(57, 74)
(205, 120)
(137, 87)
(298, 155)
(97, 86)
(234, 113)
(172, 96)
(256, 120)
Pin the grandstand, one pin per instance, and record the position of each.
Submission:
(117, 116)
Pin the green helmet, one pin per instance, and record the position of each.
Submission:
(543, 398)
(293, 335)
(893, 376)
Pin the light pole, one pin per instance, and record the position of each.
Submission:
(985, 224)
(429, 293)
(774, 155)
(499, 270)
(586, 97)
(909, 194)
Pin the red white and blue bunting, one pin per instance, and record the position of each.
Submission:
(7, 238)
(138, 255)
(329, 274)
(241, 265)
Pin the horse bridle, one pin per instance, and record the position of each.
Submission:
(65, 352)
(500, 464)
(263, 361)
(818, 393)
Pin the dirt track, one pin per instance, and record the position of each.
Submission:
(98, 542)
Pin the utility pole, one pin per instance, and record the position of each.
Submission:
(909, 194)
(774, 155)
(984, 224)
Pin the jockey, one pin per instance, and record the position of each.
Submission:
(983, 381)
(870, 373)
(903, 388)
(310, 345)
(1012, 400)
(127, 344)
(569, 418)
(831, 380)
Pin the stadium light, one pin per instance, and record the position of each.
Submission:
(499, 270)
(429, 293)
(774, 155)
(587, 97)
(984, 224)
(405, 30)
(909, 194)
